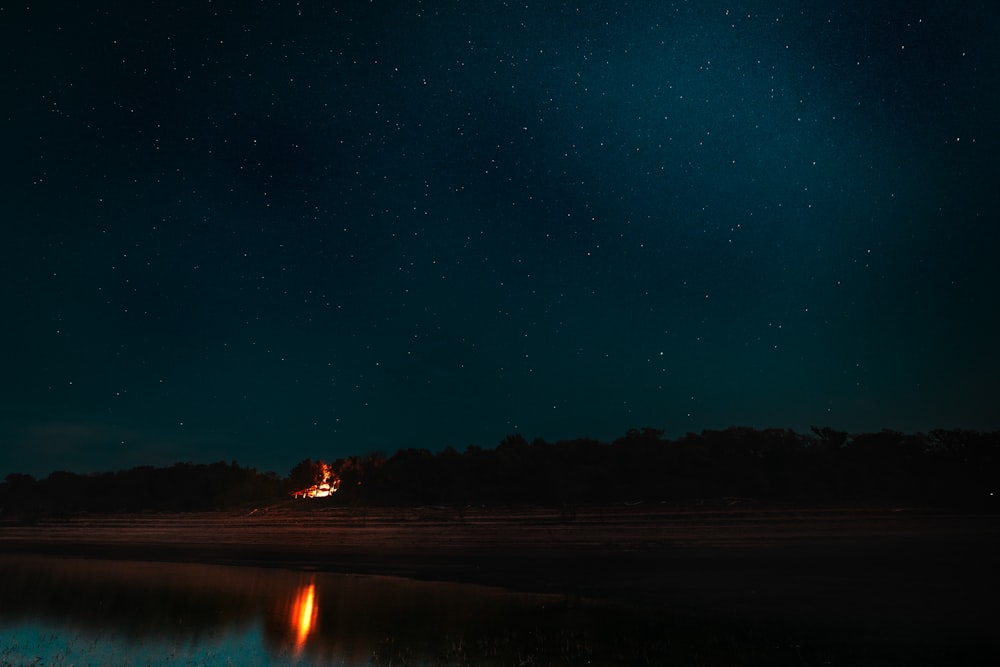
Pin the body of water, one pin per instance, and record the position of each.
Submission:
(89, 612)
(63, 611)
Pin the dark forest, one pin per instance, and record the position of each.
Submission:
(943, 468)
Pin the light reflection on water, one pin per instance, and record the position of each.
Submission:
(64, 611)
(303, 614)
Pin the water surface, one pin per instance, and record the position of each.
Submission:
(62, 611)
(74, 612)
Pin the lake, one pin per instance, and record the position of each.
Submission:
(77, 612)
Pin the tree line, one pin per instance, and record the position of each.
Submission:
(956, 468)
(179, 488)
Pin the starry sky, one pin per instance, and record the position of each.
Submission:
(266, 231)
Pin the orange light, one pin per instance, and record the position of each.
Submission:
(304, 611)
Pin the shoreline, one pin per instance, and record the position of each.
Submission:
(884, 576)
(625, 552)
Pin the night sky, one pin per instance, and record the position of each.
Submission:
(266, 231)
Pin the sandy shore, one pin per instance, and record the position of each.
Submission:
(885, 572)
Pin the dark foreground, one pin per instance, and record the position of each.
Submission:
(867, 586)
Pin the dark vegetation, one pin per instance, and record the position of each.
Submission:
(944, 468)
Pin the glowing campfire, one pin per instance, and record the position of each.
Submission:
(326, 486)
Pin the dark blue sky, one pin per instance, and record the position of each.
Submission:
(266, 231)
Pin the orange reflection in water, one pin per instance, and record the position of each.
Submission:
(304, 611)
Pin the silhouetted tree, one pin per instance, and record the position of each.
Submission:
(305, 473)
